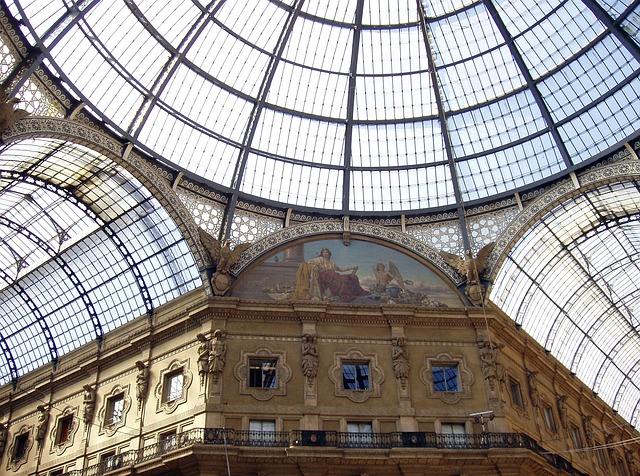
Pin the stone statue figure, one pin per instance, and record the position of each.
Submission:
(588, 428)
(3, 438)
(89, 403)
(223, 257)
(142, 382)
(400, 360)
(43, 420)
(217, 354)
(309, 356)
(492, 370)
(204, 349)
(562, 411)
(628, 456)
(472, 268)
(534, 394)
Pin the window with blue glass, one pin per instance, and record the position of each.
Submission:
(446, 378)
(262, 373)
(355, 375)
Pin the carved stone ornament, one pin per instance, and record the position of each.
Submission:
(465, 376)
(283, 373)
(160, 392)
(376, 375)
(61, 446)
(15, 463)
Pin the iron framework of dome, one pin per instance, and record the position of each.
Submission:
(443, 119)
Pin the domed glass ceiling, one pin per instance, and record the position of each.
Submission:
(353, 106)
(368, 107)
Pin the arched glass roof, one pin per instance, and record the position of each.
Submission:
(353, 106)
(367, 108)
(572, 283)
(84, 248)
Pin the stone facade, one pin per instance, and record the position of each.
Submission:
(395, 390)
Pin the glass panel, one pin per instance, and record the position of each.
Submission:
(355, 376)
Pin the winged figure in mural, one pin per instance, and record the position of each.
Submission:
(223, 257)
(472, 268)
(8, 115)
(385, 277)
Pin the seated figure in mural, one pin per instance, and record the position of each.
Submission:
(319, 279)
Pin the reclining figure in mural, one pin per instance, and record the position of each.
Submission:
(319, 279)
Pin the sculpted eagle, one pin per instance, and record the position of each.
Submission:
(468, 266)
(220, 251)
(223, 257)
(8, 115)
(472, 268)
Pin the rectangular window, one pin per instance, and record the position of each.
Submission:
(549, 420)
(20, 446)
(575, 436)
(173, 385)
(262, 431)
(453, 435)
(516, 394)
(355, 375)
(602, 458)
(262, 373)
(57, 472)
(115, 409)
(445, 378)
(360, 434)
(64, 429)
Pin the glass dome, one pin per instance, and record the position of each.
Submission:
(353, 106)
(372, 109)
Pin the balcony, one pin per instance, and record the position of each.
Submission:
(230, 439)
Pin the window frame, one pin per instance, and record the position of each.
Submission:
(258, 372)
(262, 436)
(64, 430)
(20, 442)
(549, 417)
(283, 373)
(518, 400)
(443, 369)
(168, 440)
(167, 400)
(359, 385)
(457, 437)
(171, 392)
(359, 434)
(115, 406)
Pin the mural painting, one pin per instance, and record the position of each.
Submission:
(362, 273)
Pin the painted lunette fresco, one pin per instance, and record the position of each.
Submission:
(362, 273)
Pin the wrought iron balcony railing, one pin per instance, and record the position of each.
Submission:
(320, 438)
